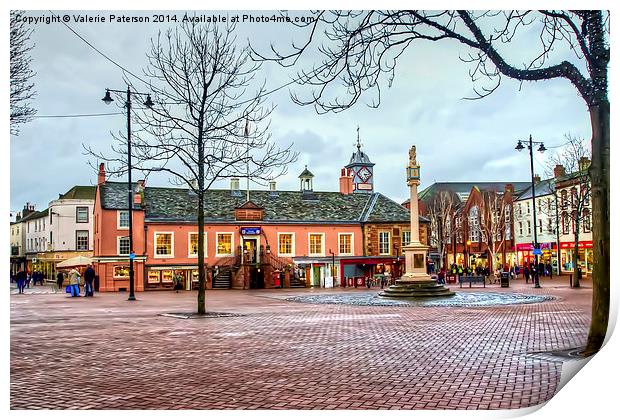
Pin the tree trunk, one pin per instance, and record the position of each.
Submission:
(576, 267)
(599, 176)
(201, 255)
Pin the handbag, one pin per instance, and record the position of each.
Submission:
(68, 289)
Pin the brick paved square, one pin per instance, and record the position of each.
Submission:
(117, 354)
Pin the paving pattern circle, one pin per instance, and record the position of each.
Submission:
(458, 300)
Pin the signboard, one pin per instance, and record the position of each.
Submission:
(361, 186)
(132, 256)
(505, 279)
(329, 282)
(582, 244)
(250, 231)
(537, 252)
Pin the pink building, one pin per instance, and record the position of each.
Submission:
(276, 239)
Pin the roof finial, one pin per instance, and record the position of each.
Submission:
(359, 145)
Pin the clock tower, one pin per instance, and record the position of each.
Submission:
(362, 169)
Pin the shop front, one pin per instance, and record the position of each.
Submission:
(356, 269)
(164, 278)
(585, 258)
(525, 254)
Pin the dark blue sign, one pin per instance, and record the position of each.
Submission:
(537, 251)
(250, 231)
(132, 256)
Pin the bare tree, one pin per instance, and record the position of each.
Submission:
(493, 224)
(206, 124)
(573, 192)
(360, 52)
(442, 213)
(22, 87)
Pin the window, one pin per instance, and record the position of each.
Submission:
(384, 243)
(529, 227)
(285, 243)
(51, 238)
(192, 248)
(563, 199)
(406, 235)
(345, 243)
(123, 219)
(565, 223)
(528, 207)
(574, 219)
(121, 271)
(51, 217)
(81, 240)
(81, 215)
(549, 225)
(224, 244)
(474, 225)
(123, 245)
(586, 221)
(573, 197)
(540, 226)
(316, 244)
(163, 244)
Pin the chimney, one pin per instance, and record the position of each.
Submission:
(584, 163)
(272, 185)
(346, 181)
(509, 188)
(139, 193)
(101, 176)
(559, 171)
(18, 217)
(234, 184)
(28, 209)
(536, 178)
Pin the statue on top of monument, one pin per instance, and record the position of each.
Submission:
(412, 157)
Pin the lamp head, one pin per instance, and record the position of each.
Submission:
(107, 98)
(542, 148)
(148, 103)
(519, 146)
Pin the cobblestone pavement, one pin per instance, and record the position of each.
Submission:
(108, 353)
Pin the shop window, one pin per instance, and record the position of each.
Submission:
(316, 244)
(121, 271)
(163, 244)
(123, 245)
(384, 243)
(345, 243)
(224, 243)
(81, 214)
(285, 243)
(166, 276)
(192, 248)
(81, 240)
(153, 277)
(123, 219)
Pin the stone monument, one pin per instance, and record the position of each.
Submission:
(415, 283)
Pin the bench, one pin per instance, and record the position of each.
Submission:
(472, 279)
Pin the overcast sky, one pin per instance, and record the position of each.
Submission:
(456, 139)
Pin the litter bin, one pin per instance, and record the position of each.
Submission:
(505, 279)
(96, 283)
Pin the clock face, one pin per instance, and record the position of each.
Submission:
(364, 174)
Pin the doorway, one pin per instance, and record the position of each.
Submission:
(257, 278)
(250, 249)
(316, 276)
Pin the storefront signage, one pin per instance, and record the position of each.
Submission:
(582, 244)
(364, 186)
(250, 231)
(530, 247)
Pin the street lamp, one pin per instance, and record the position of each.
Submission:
(468, 254)
(149, 104)
(541, 149)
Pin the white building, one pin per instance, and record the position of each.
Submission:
(63, 230)
(545, 224)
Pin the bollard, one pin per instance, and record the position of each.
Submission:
(570, 279)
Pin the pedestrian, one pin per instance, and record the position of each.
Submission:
(21, 280)
(60, 278)
(441, 277)
(89, 278)
(74, 282)
(526, 273)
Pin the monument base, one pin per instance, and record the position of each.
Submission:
(414, 287)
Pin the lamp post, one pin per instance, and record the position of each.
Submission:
(149, 104)
(541, 149)
(467, 262)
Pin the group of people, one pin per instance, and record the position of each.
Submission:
(531, 270)
(23, 279)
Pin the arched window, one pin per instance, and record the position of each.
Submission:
(574, 200)
(563, 199)
(586, 221)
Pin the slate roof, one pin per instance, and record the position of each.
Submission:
(464, 188)
(80, 192)
(35, 215)
(544, 187)
(359, 157)
(179, 205)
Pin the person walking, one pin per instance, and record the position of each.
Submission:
(60, 278)
(526, 274)
(89, 278)
(74, 282)
(21, 280)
